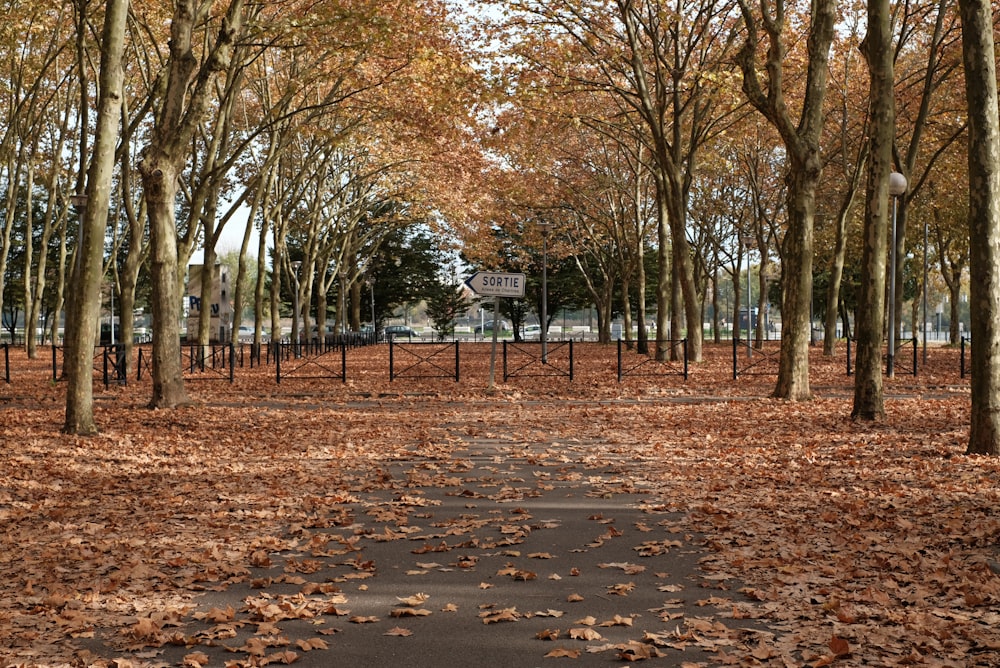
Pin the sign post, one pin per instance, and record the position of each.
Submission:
(496, 284)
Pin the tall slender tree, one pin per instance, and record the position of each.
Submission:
(186, 99)
(89, 268)
(984, 223)
(868, 403)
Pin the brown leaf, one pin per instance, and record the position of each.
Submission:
(839, 646)
(584, 633)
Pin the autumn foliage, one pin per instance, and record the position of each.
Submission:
(836, 543)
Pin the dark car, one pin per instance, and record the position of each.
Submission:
(392, 331)
(503, 326)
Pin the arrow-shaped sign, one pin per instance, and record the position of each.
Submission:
(496, 284)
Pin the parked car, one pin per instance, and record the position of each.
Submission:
(392, 331)
(487, 326)
(531, 333)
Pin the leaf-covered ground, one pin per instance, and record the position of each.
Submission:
(851, 543)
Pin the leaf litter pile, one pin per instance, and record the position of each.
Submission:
(692, 523)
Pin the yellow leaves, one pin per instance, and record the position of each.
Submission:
(563, 652)
(398, 632)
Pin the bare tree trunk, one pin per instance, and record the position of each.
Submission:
(801, 138)
(160, 186)
(642, 336)
(868, 399)
(796, 303)
(87, 278)
(984, 223)
(163, 161)
(663, 282)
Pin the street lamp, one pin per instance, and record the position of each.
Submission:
(897, 186)
(748, 242)
(295, 265)
(371, 290)
(545, 228)
(925, 291)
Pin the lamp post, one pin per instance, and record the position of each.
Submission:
(371, 292)
(748, 242)
(897, 186)
(544, 228)
(295, 265)
(925, 292)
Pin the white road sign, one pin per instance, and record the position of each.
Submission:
(496, 284)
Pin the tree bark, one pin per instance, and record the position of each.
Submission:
(82, 320)
(185, 102)
(984, 223)
(796, 301)
(868, 399)
(801, 139)
(160, 187)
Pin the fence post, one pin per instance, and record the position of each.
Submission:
(619, 360)
(848, 356)
(914, 357)
(504, 344)
(6, 362)
(685, 344)
(392, 370)
(736, 343)
(105, 356)
(55, 373)
(961, 362)
(343, 362)
(571, 359)
(277, 361)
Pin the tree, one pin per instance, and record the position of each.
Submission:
(801, 139)
(446, 303)
(984, 223)
(162, 162)
(82, 318)
(868, 403)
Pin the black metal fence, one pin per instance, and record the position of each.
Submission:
(309, 361)
(675, 360)
(530, 359)
(908, 370)
(423, 360)
(756, 360)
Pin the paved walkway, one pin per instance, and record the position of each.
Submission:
(500, 559)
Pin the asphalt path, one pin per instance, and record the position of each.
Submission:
(502, 556)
